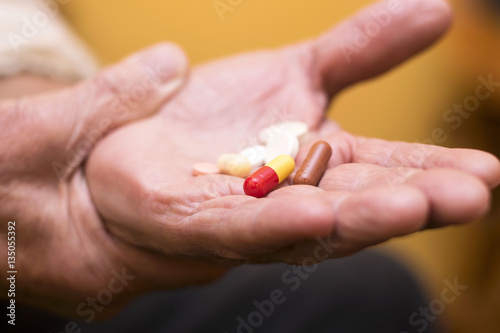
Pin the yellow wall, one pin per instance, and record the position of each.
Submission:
(406, 104)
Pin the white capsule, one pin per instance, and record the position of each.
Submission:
(282, 144)
(255, 154)
(296, 128)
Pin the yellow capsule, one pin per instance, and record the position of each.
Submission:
(283, 165)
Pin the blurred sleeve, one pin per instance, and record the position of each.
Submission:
(34, 38)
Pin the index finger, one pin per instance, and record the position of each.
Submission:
(348, 148)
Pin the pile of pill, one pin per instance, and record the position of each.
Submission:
(273, 161)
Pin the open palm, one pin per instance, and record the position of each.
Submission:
(140, 175)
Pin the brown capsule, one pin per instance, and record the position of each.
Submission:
(314, 165)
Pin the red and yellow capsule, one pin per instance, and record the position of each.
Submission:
(264, 180)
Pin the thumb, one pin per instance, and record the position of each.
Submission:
(65, 126)
(376, 40)
(129, 90)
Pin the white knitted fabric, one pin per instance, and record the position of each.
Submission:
(34, 38)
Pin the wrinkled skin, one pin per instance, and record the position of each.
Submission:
(134, 205)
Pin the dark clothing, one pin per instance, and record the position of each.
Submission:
(366, 293)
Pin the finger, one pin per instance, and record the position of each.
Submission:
(239, 227)
(355, 219)
(362, 219)
(66, 125)
(347, 148)
(455, 197)
(375, 40)
(481, 164)
(289, 215)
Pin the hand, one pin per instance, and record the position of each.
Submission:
(140, 176)
(64, 253)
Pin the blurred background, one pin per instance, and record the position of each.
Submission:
(407, 104)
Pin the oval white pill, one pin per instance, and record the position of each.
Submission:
(282, 144)
(298, 129)
(200, 169)
(255, 154)
(234, 165)
(266, 135)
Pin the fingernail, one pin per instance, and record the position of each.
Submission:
(171, 86)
